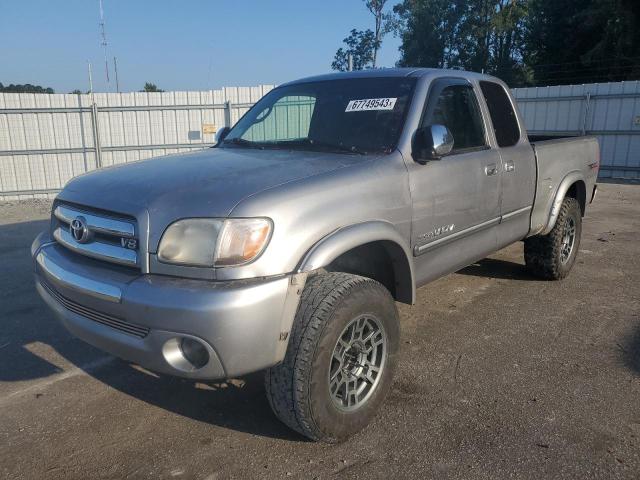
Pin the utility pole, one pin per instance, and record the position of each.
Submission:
(103, 37)
(115, 69)
(350, 62)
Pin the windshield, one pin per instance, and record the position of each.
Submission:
(352, 116)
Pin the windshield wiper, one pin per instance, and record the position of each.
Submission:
(243, 142)
(324, 145)
(338, 147)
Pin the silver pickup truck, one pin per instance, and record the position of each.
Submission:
(285, 247)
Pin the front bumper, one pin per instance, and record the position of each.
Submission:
(243, 325)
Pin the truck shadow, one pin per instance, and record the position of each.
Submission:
(497, 268)
(237, 404)
(630, 349)
(34, 347)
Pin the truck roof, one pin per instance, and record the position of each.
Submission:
(392, 72)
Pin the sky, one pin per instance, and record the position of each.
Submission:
(178, 45)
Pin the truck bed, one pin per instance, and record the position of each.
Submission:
(558, 159)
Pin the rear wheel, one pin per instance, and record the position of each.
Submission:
(340, 359)
(551, 256)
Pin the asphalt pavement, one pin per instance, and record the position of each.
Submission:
(501, 376)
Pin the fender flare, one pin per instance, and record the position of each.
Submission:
(565, 184)
(346, 238)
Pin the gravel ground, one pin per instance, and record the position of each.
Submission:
(501, 376)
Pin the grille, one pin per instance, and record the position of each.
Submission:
(103, 318)
(98, 235)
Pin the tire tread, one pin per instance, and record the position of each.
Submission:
(286, 383)
(542, 252)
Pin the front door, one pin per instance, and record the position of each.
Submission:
(456, 200)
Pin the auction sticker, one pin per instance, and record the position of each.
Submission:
(371, 104)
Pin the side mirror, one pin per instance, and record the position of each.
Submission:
(431, 143)
(221, 134)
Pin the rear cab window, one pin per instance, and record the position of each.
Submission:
(503, 117)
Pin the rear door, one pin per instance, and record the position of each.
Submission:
(518, 180)
(455, 199)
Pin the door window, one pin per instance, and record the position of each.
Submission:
(457, 109)
(505, 123)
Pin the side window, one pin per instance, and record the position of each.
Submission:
(288, 119)
(457, 109)
(504, 120)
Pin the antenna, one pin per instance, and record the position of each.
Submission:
(115, 69)
(103, 37)
(90, 79)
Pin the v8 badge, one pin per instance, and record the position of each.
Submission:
(129, 243)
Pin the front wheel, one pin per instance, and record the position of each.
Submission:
(551, 256)
(340, 359)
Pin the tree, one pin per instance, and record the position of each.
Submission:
(376, 8)
(428, 31)
(524, 42)
(359, 45)
(151, 87)
(581, 41)
(365, 44)
(479, 35)
(76, 92)
(504, 36)
(26, 88)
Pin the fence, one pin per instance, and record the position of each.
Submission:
(611, 111)
(47, 139)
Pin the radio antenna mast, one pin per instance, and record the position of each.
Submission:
(103, 37)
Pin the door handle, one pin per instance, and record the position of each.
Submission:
(491, 169)
(509, 166)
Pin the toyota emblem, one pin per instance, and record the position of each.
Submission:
(79, 230)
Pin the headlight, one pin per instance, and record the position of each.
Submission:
(205, 242)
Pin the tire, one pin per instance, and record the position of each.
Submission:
(299, 388)
(546, 255)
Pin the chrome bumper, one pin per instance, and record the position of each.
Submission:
(243, 325)
(80, 284)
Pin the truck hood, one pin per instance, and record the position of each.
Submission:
(206, 183)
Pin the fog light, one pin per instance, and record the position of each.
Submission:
(195, 352)
(185, 354)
